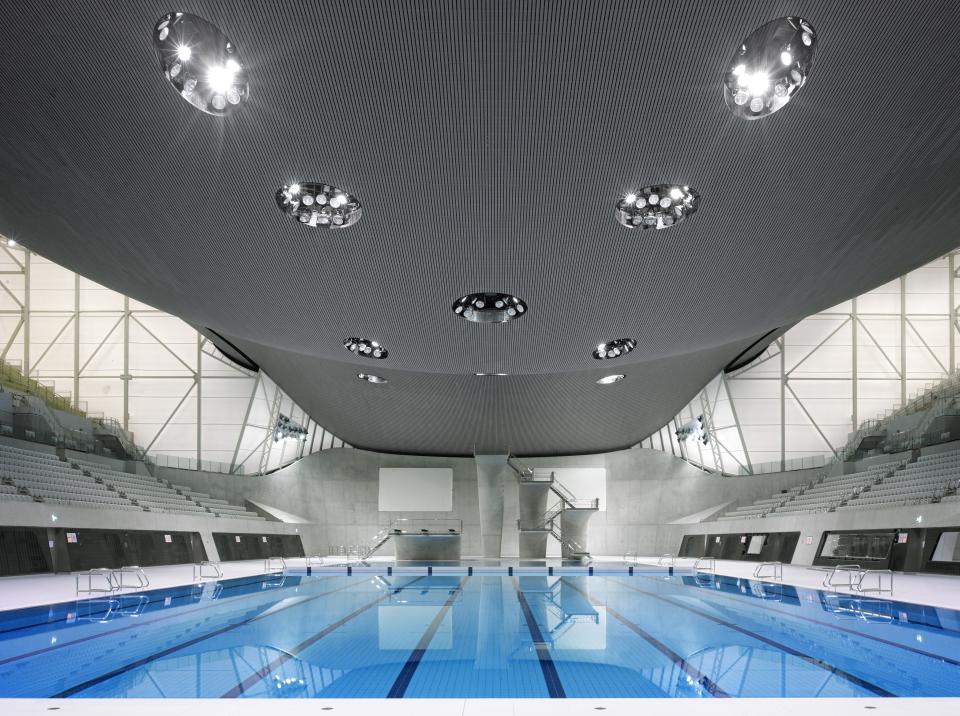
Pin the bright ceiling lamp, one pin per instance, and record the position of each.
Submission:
(365, 347)
(201, 63)
(614, 349)
(370, 378)
(657, 207)
(769, 67)
(314, 204)
(611, 379)
(489, 307)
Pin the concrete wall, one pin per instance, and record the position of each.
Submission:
(646, 490)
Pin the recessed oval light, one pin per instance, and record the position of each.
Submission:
(370, 378)
(201, 63)
(489, 307)
(614, 349)
(316, 204)
(609, 379)
(491, 375)
(365, 348)
(657, 207)
(769, 67)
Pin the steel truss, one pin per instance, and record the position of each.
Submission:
(19, 285)
(851, 327)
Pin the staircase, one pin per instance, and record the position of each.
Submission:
(376, 543)
(550, 521)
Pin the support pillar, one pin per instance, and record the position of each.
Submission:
(491, 471)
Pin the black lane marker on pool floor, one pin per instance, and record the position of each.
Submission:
(682, 663)
(136, 625)
(549, 669)
(905, 647)
(264, 671)
(196, 640)
(827, 666)
(403, 680)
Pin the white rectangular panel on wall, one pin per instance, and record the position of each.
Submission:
(585, 483)
(416, 489)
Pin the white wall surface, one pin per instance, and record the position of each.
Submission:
(416, 489)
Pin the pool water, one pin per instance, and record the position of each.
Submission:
(651, 635)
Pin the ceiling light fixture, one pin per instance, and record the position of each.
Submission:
(614, 349)
(491, 375)
(364, 347)
(657, 206)
(610, 379)
(316, 204)
(769, 67)
(370, 378)
(200, 62)
(489, 307)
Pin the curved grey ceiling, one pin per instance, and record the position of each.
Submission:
(488, 142)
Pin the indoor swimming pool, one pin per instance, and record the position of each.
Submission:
(478, 635)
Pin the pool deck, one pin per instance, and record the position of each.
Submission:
(32, 590)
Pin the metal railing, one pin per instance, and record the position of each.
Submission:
(100, 573)
(709, 566)
(884, 581)
(849, 572)
(426, 526)
(135, 571)
(198, 569)
(274, 565)
(769, 570)
(669, 557)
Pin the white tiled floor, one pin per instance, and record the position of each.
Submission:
(15, 592)
(933, 589)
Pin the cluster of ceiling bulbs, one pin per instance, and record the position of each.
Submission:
(489, 307)
(200, 62)
(316, 204)
(769, 67)
(364, 347)
(614, 349)
(657, 207)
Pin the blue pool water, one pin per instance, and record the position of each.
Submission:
(453, 635)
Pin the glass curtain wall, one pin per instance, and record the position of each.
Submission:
(797, 403)
(114, 357)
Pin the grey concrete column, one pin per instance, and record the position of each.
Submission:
(491, 471)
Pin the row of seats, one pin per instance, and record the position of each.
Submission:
(38, 475)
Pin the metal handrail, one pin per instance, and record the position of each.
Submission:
(776, 570)
(712, 561)
(667, 555)
(142, 580)
(880, 574)
(90, 574)
(852, 572)
(268, 565)
(198, 570)
(315, 558)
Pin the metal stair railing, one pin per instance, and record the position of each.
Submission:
(376, 543)
(572, 546)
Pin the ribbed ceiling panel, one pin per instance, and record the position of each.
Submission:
(488, 142)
